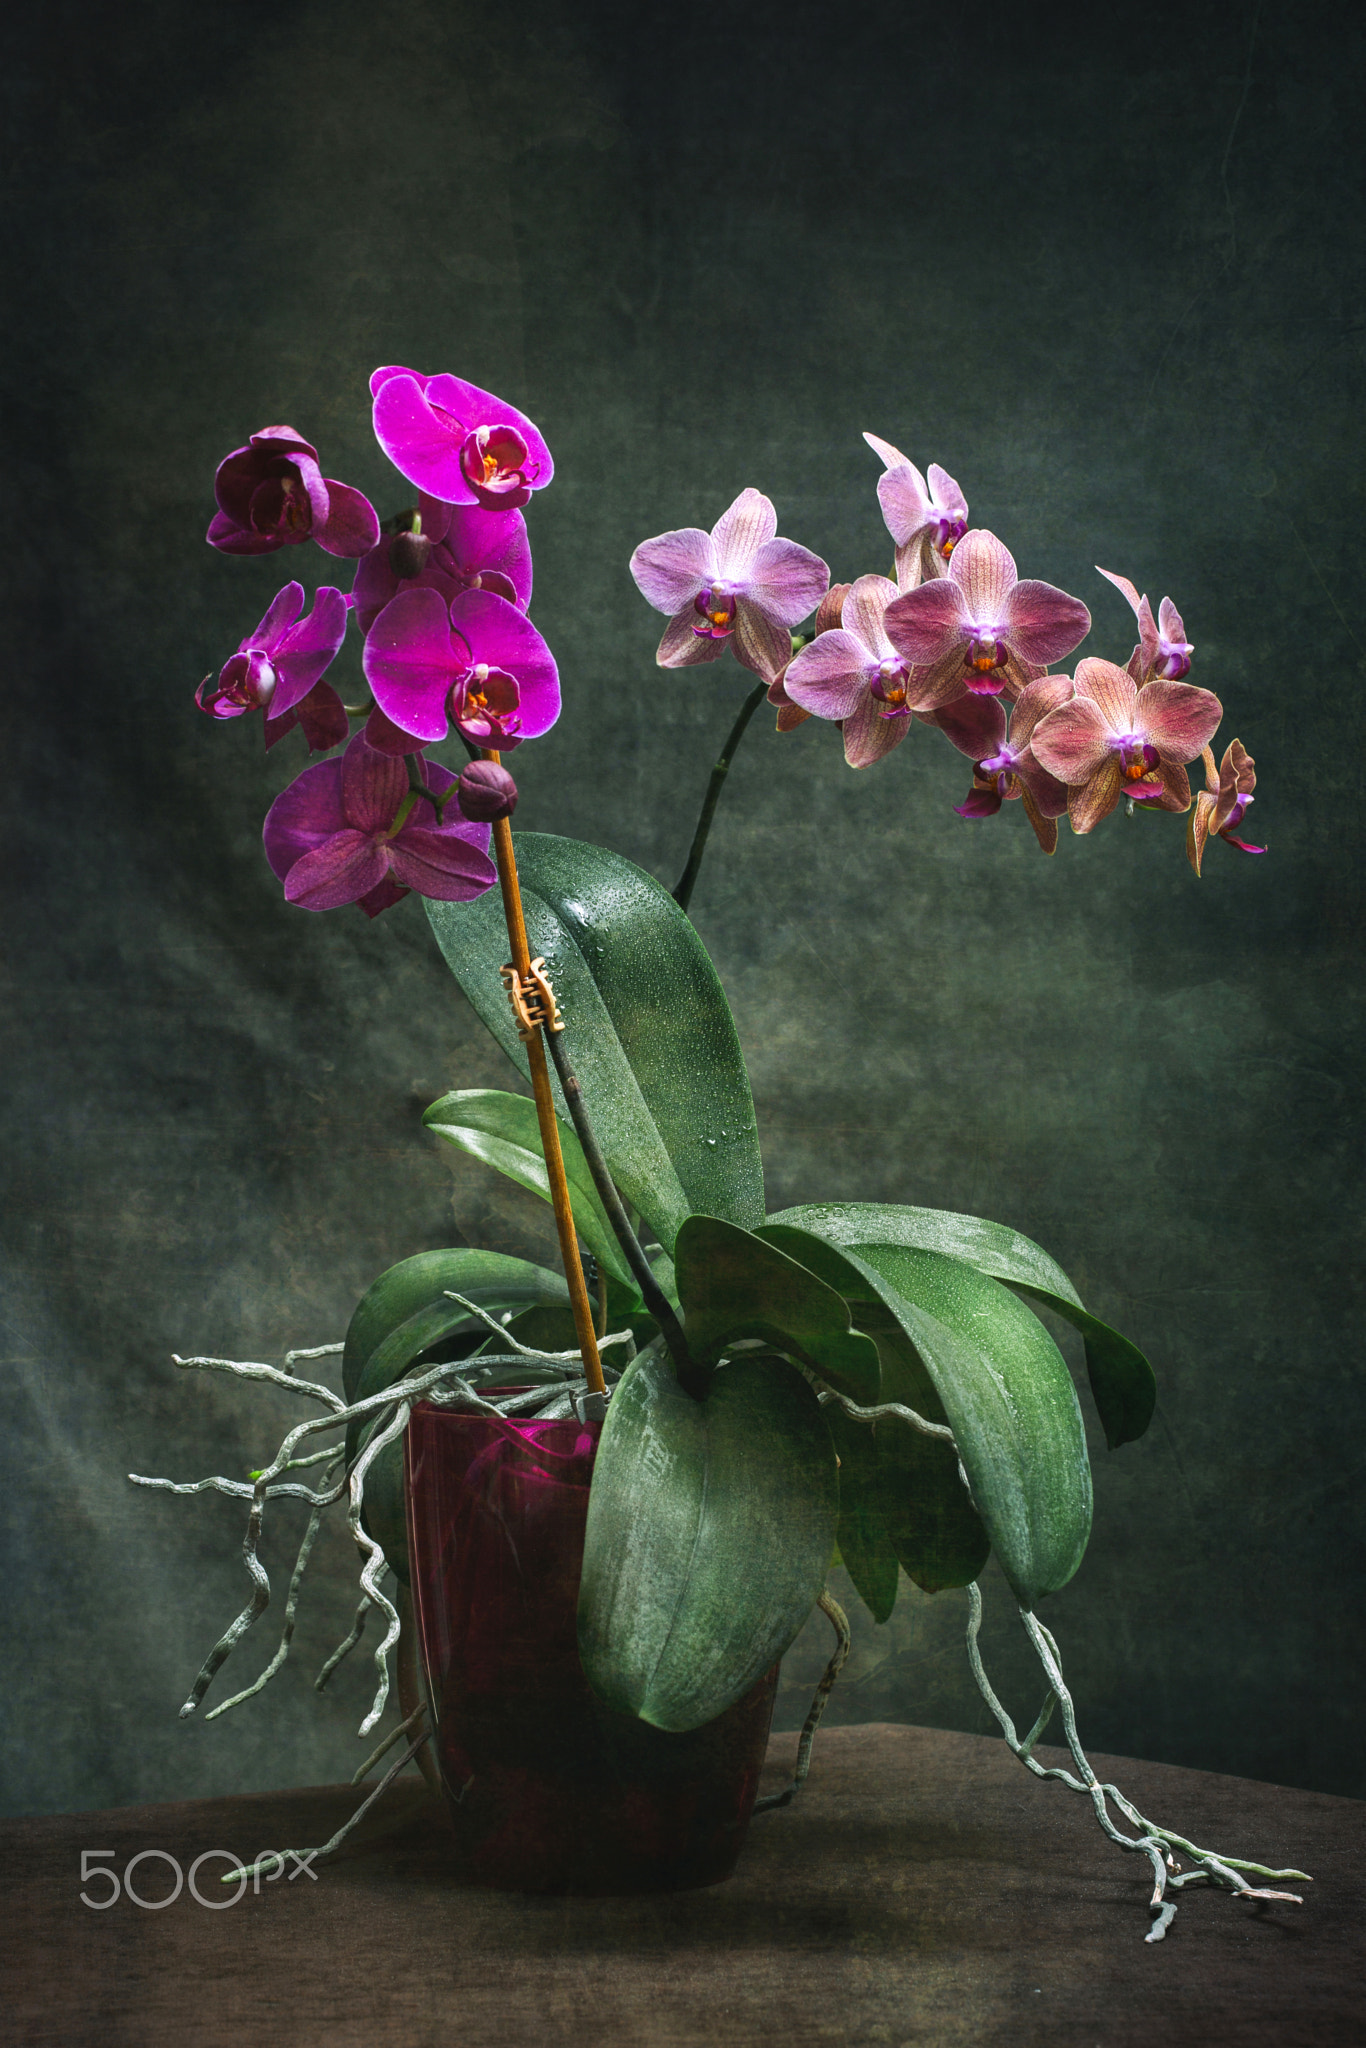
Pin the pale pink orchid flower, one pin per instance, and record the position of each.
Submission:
(1163, 652)
(1113, 739)
(980, 628)
(1222, 803)
(854, 674)
(926, 517)
(1005, 766)
(741, 584)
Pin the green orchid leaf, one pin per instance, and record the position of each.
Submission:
(647, 1026)
(865, 1543)
(1009, 1400)
(419, 1283)
(710, 1529)
(1122, 1381)
(502, 1130)
(733, 1284)
(405, 1314)
(1004, 1389)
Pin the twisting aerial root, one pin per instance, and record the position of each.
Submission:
(1156, 1843)
(287, 1632)
(274, 1861)
(839, 1621)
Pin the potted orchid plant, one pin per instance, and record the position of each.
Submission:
(708, 1403)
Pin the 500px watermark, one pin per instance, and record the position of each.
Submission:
(97, 1864)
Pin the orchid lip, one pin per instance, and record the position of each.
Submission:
(1175, 661)
(889, 687)
(716, 608)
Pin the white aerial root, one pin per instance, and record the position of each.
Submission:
(447, 1386)
(839, 1621)
(1156, 1843)
(275, 1858)
(939, 1429)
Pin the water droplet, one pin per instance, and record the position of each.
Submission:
(711, 1141)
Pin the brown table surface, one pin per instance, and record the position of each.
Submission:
(922, 1888)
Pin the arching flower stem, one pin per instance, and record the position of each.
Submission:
(682, 892)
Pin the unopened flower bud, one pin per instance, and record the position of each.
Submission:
(408, 554)
(486, 791)
(832, 607)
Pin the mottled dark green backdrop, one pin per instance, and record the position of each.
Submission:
(1110, 277)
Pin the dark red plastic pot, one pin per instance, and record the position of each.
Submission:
(547, 1789)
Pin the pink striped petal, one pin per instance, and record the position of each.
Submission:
(1035, 701)
(1178, 718)
(905, 502)
(1111, 690)
(1041, 622)
(946, 492)
(983, 568)
(868, 736)
(1122, 584)
(1045, 823)
(740, 532)
(340, 871)
(1073, 742)
(1049, 797)
(830, 676)
(864, 614)
(1169, 621)
(892, 457)
(928, 623)
(786, 581)
(975, 725)
(1094, 799)
(758, 643)
(681, 647)
(672, 568)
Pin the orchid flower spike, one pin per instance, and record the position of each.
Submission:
(1222, 803)
(475, 662)
(1163, 651)
(980, 628)
(460, 443)
(272, 494)
(352, 830)
(741, 584)
(925, 519)
(854, 674)
(1005, 768)
(1113, 739)
(278, 670)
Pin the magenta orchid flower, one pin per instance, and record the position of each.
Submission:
(272, 494)
(853, 673)
(926, 518)
(1222, 803)
(278, 670)
(740, 584)
(350, 830)
(1113, 739)
(1163, 652)
(981, 629)
(1005, 766)
(476, 663)
(451, 548)
(460, 443)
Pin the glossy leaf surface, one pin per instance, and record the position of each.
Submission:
(502, 1130)
(710, 1529)
(735, 1284)
(1122, 1381)
(648, 1028)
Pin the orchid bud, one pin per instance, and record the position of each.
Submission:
(408, 554)
(486, 791)
(832, 607)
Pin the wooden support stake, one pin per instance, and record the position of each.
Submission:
(545, 1110)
